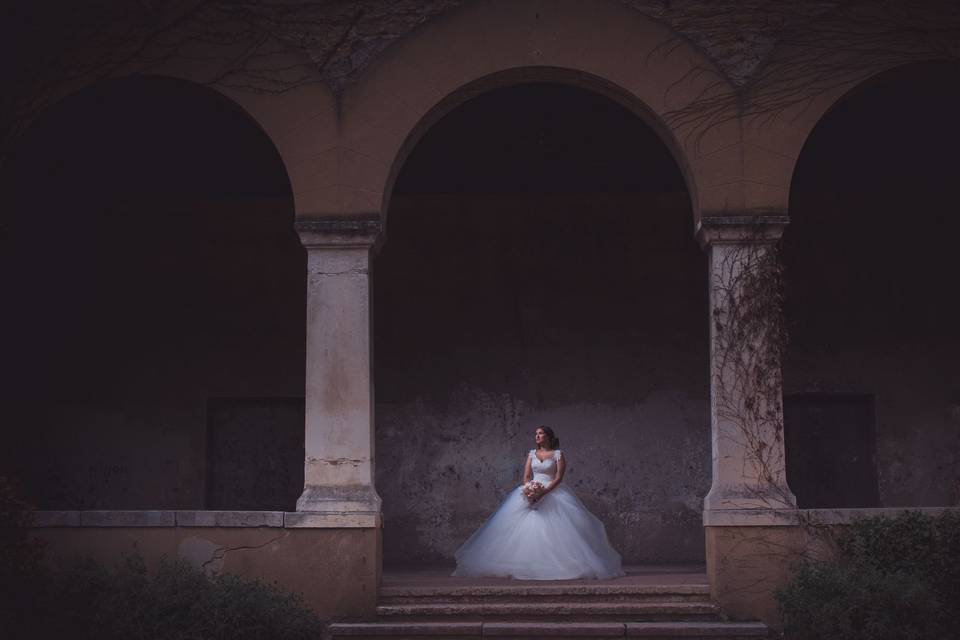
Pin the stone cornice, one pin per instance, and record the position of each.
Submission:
(346, 233)
(745, 229)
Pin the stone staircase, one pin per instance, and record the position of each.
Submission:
(571, 610)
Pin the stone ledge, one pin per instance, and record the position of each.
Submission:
(794, 517)
(522, 592)
(200, 518)
(696, 630)
(584, 630)
(407, 629)
(846, 516)
(128, 519)
(55, 519)
(348, 520)
(229, 518)
(751, 517)
(558, 609)
(554, 630)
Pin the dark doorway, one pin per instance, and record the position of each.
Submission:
(831, 450)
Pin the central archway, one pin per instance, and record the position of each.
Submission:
(540, 267)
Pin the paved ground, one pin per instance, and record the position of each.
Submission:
(433, 576)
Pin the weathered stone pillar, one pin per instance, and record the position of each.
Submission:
(746, 344)
(338, 473)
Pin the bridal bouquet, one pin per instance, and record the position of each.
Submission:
(532, 490)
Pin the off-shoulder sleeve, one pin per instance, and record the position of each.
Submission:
(557, 455)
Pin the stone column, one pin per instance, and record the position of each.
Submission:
(746, 390)
(338, 474)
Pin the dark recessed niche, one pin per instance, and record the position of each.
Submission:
(831, 449)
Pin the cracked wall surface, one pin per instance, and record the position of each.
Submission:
(335, 571)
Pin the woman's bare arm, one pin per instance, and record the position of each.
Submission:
(527, 470)
(561, 467)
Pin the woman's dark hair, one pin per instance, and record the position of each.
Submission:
(554, 440)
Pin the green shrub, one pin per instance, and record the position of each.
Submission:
(83, 599)
(176, 602)
(894, 578)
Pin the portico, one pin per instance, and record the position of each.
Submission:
(698, 390)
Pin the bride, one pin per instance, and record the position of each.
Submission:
(541, 531)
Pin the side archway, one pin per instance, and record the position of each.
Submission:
(161, 294)
(871, 391)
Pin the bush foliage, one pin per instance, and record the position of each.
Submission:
(175, 602)
(894, 579)
(83, 599)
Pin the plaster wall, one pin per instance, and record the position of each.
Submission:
(746, 565)
(335, 571)
(496, 313)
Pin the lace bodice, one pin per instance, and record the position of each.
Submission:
(544, 470)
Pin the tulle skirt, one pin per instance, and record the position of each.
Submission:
(555, 539)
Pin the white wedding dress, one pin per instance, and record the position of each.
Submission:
(556, 538)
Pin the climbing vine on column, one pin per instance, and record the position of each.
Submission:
(750, 338)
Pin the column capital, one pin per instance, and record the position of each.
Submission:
(744, 229)
(339, 233)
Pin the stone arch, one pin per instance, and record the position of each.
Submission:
(807, 119)
(602, 46)
(774, 142)
(300, 121)
(513, 77)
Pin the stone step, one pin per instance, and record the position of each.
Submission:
(546, 593)
(697, 630)
(572, 611)
(541, 630)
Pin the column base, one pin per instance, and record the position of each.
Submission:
(773, 497)
(356, 499)
(746, 566)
